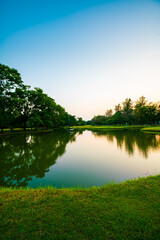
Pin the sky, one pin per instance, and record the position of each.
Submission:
(88, 55)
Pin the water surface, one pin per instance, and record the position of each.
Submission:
(84, 158)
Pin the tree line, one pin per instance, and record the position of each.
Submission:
(22, 107)
(139, 112)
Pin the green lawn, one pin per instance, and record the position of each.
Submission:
(130, 210)
(89, 127)
(151, 129)
(134, 127)
(20, 130)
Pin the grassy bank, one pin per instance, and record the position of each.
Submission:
(28, 130)
(89, 127)
(122, 211)
(86, 127)
(151, 129)
(134, 127)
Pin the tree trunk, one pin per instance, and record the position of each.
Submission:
(24, 128)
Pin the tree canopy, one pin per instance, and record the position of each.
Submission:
(129, 113)
(21, 106)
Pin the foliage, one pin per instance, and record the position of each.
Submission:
(129, 113)
(10, 81)
(98, 120)
(22, 107)
(81, 122)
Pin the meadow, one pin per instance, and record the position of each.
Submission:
(129, 210)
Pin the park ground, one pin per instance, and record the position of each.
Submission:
(124, 127)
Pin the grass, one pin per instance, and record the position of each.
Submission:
(86, 127)
(151, 129)
(124, 127)
(148, 129)
(128, 210)
(20, 130)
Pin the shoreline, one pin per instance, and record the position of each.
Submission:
(79, 188)
(154, 129)
(148, 129)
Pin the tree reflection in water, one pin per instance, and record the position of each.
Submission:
(132, 140)
(23, 156)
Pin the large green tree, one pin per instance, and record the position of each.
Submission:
(21, 107)
(10, 80)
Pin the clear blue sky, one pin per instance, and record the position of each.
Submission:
(86, 54)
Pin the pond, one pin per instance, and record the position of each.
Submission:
(84, 158)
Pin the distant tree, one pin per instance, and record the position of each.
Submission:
(80, 122)
(140, 110)
(117, 118)
(88, 122)
(141, 102)
(158, 112)
(109, 113)
(70, 120)
(128, 111)
(118, 108)
(98, 120)
(140, 113)
(151, 113)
